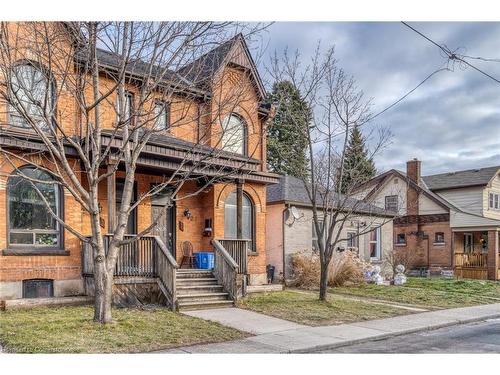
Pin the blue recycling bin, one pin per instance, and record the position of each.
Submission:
(204, 260)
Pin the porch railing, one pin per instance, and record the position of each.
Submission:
(226, 270)
(144, 257)
(471, 260)
(238, 249)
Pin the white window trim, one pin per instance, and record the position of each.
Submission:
(378, 245)
(494, 201)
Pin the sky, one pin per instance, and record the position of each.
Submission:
(451, 122)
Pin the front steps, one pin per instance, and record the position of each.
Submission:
(199, 289)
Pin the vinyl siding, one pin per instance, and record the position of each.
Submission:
(427, 206)
(495, 188)
(468, 199)
(391, 187)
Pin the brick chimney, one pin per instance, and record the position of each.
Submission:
(413, 168)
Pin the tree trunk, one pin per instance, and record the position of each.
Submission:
(323, 282)
(103, 299)
(103, 291)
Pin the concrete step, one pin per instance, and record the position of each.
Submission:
(202, 297)
(197, 289)
(204, 305)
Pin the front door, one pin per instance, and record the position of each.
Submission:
(165, 227)
(468, 243)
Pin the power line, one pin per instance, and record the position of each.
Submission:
(451, 55)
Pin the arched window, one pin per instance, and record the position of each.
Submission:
(247, 219)
(29, 220)
(234, 136)
(32, 93)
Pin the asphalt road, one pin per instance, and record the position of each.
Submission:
(480, 337)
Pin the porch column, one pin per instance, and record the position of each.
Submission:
(111, 190)
(493, 254)
(239, 209)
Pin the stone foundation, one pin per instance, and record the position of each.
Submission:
(62, 288)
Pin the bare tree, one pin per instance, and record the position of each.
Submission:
(99, 65)
(338, 105)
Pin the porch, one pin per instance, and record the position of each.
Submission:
(147, 260)
(477, 254)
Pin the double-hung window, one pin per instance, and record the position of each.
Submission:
(494, 201)
(162, 115)
(352, 240)
(374, 244)
(391, 203)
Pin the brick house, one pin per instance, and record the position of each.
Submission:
(450, 220)
(290, 229)
(39, 260)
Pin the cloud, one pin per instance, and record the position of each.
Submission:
(452, 122)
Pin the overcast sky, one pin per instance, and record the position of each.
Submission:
(452, 122)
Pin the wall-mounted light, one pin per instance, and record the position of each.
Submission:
(187, 214)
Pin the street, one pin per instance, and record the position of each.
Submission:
(481, 337)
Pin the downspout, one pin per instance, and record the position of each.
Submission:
(283, 242)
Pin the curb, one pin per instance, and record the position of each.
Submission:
(390, 335)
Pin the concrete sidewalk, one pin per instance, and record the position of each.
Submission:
(302, 339)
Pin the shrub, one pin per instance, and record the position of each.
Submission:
(406, 257)
(346, 268)
(306, 270)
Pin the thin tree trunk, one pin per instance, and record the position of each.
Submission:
(323, 282)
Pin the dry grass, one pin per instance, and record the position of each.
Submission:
(71, 330)
(345, 268)
(306, 270)
(306, 308)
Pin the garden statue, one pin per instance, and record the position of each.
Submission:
(400, 277)
(376, 278)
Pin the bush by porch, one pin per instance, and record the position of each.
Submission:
(71, 330)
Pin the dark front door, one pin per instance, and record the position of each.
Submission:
(165, 227)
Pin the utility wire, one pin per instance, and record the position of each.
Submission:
(451, 56)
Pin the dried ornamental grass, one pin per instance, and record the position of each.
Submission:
(306, 270)
(346, 268)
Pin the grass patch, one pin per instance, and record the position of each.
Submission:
(306, 308)
(71, 330)
(432, 292)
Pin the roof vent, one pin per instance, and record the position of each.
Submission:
(476, 170)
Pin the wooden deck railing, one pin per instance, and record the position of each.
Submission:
(238, 249)
(226, 270)
(166, 269)
(144, 257)
(471, 260)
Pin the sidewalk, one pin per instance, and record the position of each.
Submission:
(301, 339)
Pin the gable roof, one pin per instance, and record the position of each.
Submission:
(202, 70)
(292, 190)
(460, 179)
(381, 179)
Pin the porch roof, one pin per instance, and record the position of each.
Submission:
(467, 221)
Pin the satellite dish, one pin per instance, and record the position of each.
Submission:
(295, 212)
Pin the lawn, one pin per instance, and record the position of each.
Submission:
(71, 330)
(432, 292)
(305, 308)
